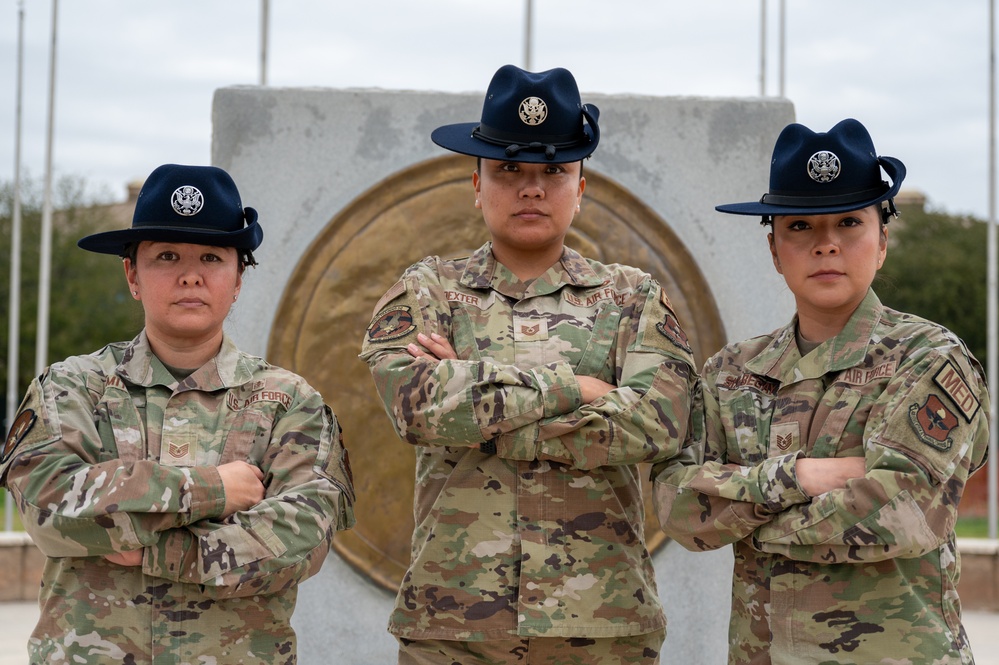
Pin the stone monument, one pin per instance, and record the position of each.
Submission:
(350, 191)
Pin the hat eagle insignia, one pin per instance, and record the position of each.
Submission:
(823, 166)
(533, 111)
(187, 200)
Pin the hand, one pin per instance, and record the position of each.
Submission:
(131, 558)
(436, 348)
(820, 475)
(243, 486)
(593, 388)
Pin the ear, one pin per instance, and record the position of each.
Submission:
(131, 278)
(582, 188)
(883, 246)
(773, 253)
(476, 185)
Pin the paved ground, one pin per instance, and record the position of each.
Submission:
(17, 620)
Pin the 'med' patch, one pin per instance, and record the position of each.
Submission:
(392, 323)
(22, 425)
(957, 389)
(933, 422)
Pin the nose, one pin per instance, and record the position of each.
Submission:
(191, 275)
(826, 244)
(532, 186)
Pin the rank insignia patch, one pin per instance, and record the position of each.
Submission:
(784, 436)
(671, 330)
(391, 324)
(933, 422)
(18, 430)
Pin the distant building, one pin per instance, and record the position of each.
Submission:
(910, 198)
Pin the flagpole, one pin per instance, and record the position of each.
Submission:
(992, 328)
(264, 28)
(528, 29)
(45, 257)
(782, 40)
(763, 48)
(14, 319)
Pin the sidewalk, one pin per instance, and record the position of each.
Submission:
(17, 620)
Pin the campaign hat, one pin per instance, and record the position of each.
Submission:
(184, 204)
(527, 116)
(817, 173)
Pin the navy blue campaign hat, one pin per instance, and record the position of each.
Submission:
(816, 173)
(527, 117)
(185, 204)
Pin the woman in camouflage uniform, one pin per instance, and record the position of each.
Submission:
(180, 488)
(531, 382)
(834, 451)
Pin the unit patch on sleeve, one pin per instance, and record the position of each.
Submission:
(671, 330)
(933, 422)
(957, 389)
(18, 430)
(392, 323)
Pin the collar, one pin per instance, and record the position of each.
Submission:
(781, 361)
(140, 366)
(483, 271)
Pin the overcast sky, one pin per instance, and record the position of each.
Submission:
(134, 80)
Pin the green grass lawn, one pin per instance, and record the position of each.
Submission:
(3, 513)
(972, 527)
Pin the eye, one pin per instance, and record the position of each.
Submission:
(850, 222)
(798, 225)
(167, 256)
(510, 167)
(210, 257)
(555, 169)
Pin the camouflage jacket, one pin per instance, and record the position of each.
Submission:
(546, 536)
(109, 453)
(865, 574)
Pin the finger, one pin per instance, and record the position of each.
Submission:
(417, 352)
(443, 346)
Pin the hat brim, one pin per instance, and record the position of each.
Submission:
(893, 167)
(115, 242)
(458, 138)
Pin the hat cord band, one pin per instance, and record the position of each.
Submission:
(514, 143)
(497, 137)
(819, 201)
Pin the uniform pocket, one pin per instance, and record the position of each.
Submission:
(234, 547)
(597, 359)
(833, 414)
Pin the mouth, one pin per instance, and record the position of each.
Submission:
(190, 302)
(826, 274)
(530, 213)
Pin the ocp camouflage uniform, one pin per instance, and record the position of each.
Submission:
(110, 453)
(865, 574)
(544, 537)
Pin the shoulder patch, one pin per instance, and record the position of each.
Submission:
(933, 422)
(671, 330)
(394, 292)
(18, 430)
(391, 323)
(957, 389)
(664, 299)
